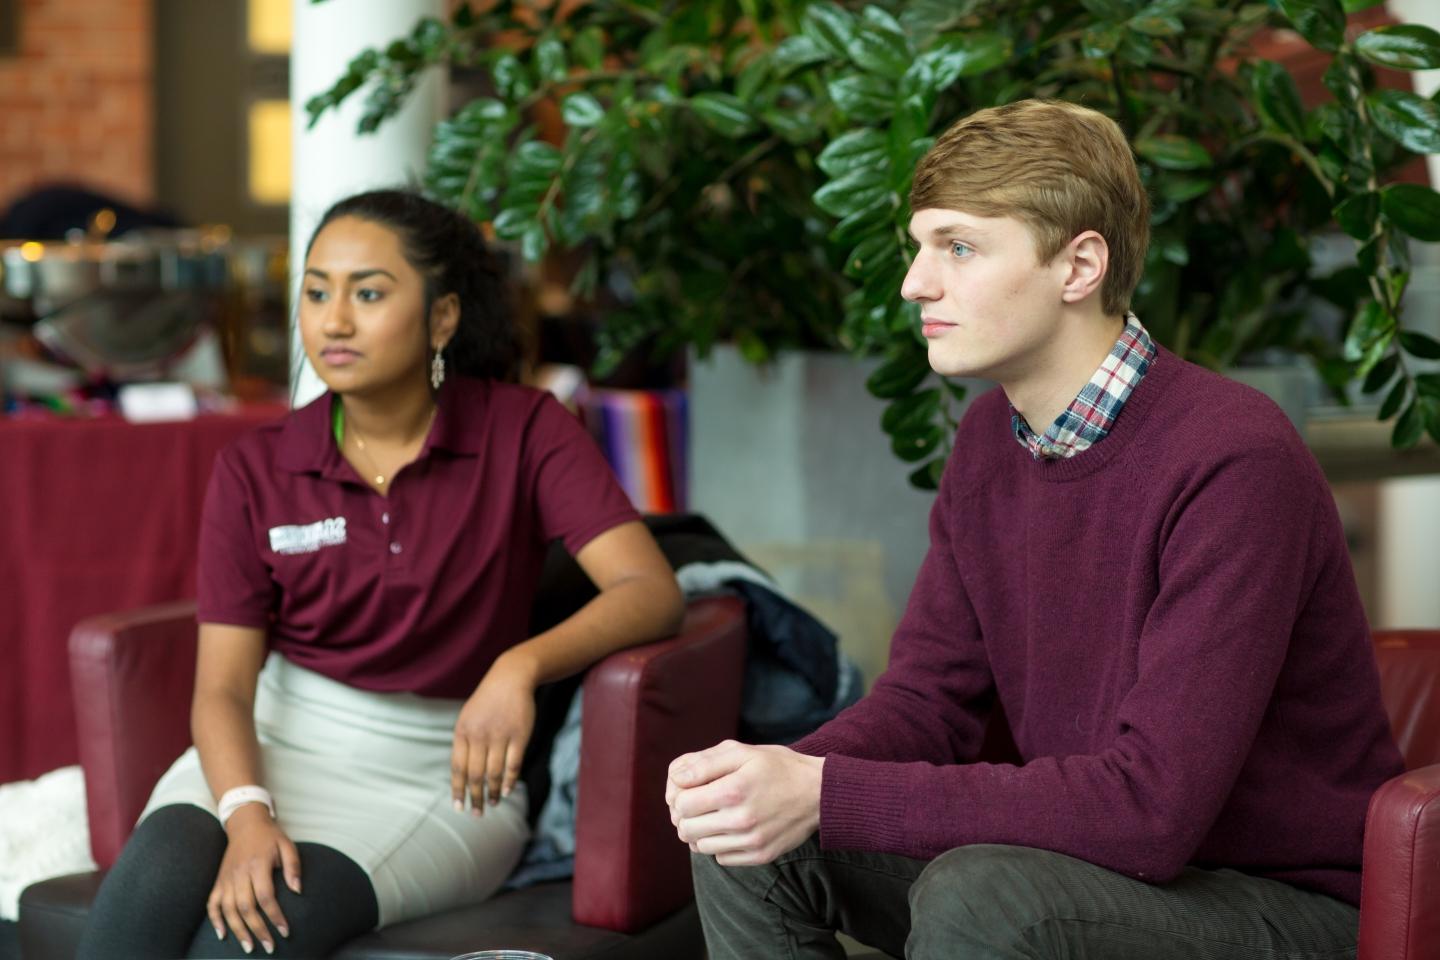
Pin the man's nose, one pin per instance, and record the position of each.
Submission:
(920, 284)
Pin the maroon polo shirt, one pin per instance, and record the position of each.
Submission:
(419, 590)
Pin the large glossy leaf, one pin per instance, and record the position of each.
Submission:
(831, 26)
(899, 375)
(512, 79)
(1278, 98)
(1173, 152)
(855, 225)
(1404, 46)
(1101, 39)
(589, 48)
(917, 445)
(724, 113)
(550, 59)
(967, 55)
(1409, 428)
(1322, 22)
(798, 51)
(1180, 187)
(862, 148)
(1356, 216)
(1153, 23)
(1393, 400)
(1381, 374)
(908, 414)
(1111, 9)
(511, 223)
(851, 193)
(1412, 208)
(1419, 344)
(581, 110)
(1371, 324)
(534, 163)
(880, 51)
(927, 477)
(1409, 120)
(864, 98)
(872, 255)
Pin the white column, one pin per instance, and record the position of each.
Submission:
(1409, 534)
(332, 161)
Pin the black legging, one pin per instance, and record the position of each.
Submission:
(152, 903)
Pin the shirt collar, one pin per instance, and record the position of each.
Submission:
(307, 441)
(1093, 411)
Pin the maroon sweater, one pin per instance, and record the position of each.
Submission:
(1172, 625)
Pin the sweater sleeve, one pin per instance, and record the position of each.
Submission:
(1234, 568)
(932, 699)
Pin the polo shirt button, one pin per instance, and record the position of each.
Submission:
(394, 548)
(384, 518)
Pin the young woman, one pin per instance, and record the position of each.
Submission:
(364, 687)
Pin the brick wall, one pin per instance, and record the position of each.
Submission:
(76, 101)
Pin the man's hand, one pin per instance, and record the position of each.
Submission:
(746, 805)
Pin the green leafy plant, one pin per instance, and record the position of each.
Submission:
(736, 170)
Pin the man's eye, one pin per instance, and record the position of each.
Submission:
(959, 249)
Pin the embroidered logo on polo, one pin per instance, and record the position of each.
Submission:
(308, 538)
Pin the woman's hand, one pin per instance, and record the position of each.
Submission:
(491, 733)
(244, 891)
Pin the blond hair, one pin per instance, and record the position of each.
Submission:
(1059, 168)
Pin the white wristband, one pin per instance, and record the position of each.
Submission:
(237, 797)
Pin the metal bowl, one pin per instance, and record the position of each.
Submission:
(123, 306)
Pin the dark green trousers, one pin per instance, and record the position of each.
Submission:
(992, 902)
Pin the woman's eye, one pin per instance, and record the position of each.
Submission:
(368, 295)
(959, 249)
(315, 296)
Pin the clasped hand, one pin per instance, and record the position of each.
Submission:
(744, 804)
(491, 733)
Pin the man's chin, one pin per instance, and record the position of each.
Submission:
(947, 364)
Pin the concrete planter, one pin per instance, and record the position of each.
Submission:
(790, 462)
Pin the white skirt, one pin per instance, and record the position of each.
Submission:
(368, 774)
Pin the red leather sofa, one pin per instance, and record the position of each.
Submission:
(133, 674)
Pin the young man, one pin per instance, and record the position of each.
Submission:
(1142, 563)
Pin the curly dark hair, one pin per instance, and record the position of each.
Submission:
(447, 249)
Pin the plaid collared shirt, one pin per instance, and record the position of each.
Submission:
(1093, 411)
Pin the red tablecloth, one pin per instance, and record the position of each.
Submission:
(95, 516)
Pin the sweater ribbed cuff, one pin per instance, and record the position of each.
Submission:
(817, 744)
(859, 807)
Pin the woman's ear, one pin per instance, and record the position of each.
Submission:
(1088, 260)
(444, 320)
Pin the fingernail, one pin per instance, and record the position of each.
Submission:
(269, 947)
(506, 791)
(459, 807)
(294, 884)
(219, 934)
(247, 946)
(284, 931)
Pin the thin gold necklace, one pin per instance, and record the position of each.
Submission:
(360, 444)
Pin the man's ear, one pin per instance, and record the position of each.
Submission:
(444, 319)
(1087, 260)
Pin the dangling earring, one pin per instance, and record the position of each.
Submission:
(437, 370)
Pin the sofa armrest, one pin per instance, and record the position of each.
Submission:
(643, 707)
(132, 675)
(1400, 880)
